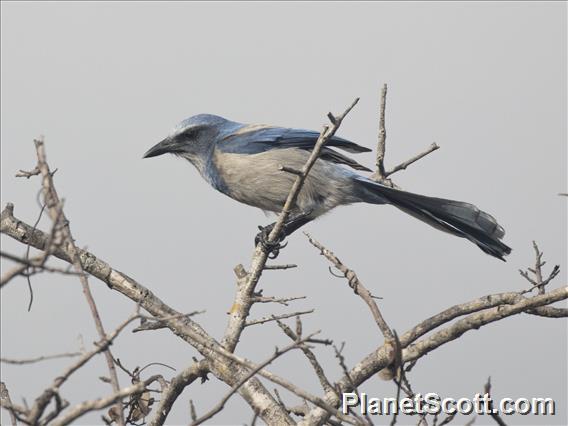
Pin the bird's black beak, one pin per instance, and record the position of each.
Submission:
(168, 145)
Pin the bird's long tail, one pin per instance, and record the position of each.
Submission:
(455, 217)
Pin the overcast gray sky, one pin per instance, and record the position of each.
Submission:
(105, 81)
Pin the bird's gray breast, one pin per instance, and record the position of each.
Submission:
(255, 179)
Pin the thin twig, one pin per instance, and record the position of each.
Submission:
(276, 317)
(405, 164)
(26, 174)
(381, 144)
(538, 282)
(279, 267)
(147, 323)
(270, 299)
(39, 358)
(192, 412)
(295, 336)
(343, 365)
(494, 416)
(358, 288)
(28, 267)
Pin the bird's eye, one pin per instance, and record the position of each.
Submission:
(190, 133)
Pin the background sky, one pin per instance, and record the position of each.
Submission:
(105, 81)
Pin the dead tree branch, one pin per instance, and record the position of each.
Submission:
(277, 317)
(175, 388)
(253, 391)
(55, 210)
(402, 166)
(77, 411)
(7, 402)
(295, 336)
(240, 374)
(41, 402)
(494, 416)
(381, 175)
(358, 288)
(379, 359)
(39, 358)
(277, 353)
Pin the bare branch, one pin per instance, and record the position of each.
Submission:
(380, 358)
(381, 144)
(26, 174)
(538, 282)
(476, 305)
(187, 329)
(5, 399)
(192, 411)
(235, 388)
(358, 288)
(380, 174)
(295, 336)
(176, 387)
(276, 317)
(157, 324)
(39, 358)
(270, 299)
(37, 262)
(494, 416)
(57, 215)
(279, 267)
(405, 164)
(238, 372)
(12, 273)
(98, 404)
(479, 319)
(44, 399)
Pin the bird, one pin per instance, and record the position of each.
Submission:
(244, 162)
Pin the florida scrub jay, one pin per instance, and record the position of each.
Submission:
(242, 161)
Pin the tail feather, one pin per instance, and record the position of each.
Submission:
(455, 217)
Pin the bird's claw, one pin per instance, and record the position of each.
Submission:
(271, 247)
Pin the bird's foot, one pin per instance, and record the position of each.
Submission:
(271, 247)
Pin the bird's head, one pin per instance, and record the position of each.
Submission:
(192, 137)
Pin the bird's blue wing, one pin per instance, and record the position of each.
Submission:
(251, 139)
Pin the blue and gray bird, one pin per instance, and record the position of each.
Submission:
(243, 162)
